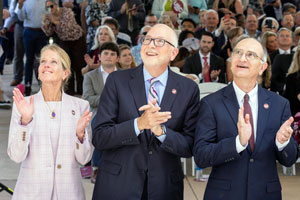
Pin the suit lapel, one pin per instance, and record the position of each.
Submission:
(137, 87)
(263, 113)
(231, 103)
(171, 91)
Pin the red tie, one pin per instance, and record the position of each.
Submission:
(206, 67)
(247, 110)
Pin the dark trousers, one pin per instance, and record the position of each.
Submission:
(76, 50)
(7, 46)
(34, 41)
(18, 61)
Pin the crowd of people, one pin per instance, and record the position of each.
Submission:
(126, 60)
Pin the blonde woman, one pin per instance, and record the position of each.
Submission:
(103, 34)
(269, 41)
(50, 134)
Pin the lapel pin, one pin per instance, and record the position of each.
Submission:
(174, 91)
(266, 106)
(73, 112)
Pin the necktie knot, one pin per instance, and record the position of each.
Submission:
(152, 93)
(246, 98)
(205, 59)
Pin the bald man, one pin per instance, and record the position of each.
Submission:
(145, 122)
(242, 130)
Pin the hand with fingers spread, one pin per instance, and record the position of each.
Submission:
(285, 131)
(25, 108)
(151, 116)
(82, 123)
(244, 127)
(214, 74)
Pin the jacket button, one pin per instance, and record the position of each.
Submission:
(150, 152)
(251, 160)
(58, 166)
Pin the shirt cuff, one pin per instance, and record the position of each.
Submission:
(161, 138)
(281, 146)
(239, 146)
(200, 76)
(136, 129)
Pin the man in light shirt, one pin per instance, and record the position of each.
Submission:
(243, 130)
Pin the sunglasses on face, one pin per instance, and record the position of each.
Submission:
(50, 6)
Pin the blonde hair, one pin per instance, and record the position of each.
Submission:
(123, 47)
(64, 59)
(265, 37)
(295, 66)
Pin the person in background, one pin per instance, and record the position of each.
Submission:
(129, 14)
(126, 60)
(103, 34)
(201, 20)
(251, 26)
(52, 129)
(184, 35)
(61, 21)
(292, 92)
(150, 20)
(122, 38)
(288, 22)
(194, 7)
(166, 7)
(188, 24)
(269, 41)
(31, 13)
(18, 60)
(94, 12)
(136, 50)
(205, 64)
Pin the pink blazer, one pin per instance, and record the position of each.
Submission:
(31, 145)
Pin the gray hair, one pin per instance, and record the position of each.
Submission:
(270, 18)
(110, 33)
(211, 11)
(244, 36)
(284, 29)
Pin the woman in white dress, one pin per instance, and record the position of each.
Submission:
(50, 134)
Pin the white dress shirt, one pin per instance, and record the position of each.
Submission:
(253, 101)
(104, 73)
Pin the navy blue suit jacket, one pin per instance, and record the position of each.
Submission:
(128, 159)
(245, 175)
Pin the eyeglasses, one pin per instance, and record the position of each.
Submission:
(51, 6)
(158, 42)
(250, 55)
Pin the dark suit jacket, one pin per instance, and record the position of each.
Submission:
(192, 65)
(280, 68)
(292, 90)
(245, 175)
(128, 159)
(273, 55)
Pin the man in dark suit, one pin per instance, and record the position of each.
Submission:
(273, 9)
(280, 69)
(242, 130)
(205, 61)
(285, 42)
(141, 143)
